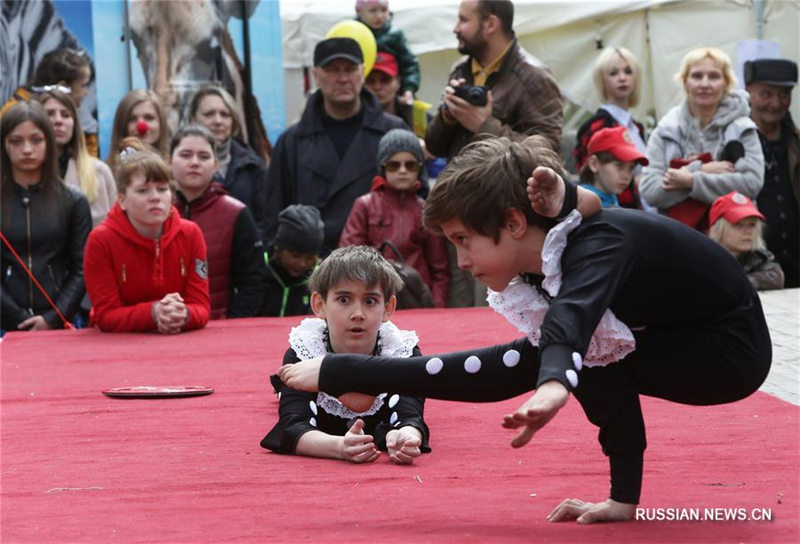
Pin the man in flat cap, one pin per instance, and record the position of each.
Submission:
(770, 83)
(327, 159)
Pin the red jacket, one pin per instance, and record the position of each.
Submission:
(126, 273)
(389, 214)
(216, 213)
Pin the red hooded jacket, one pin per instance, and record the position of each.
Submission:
(388, 214)
(126, 273)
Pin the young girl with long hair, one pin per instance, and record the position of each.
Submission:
(45, 221)
(140, 114)
(77, 167)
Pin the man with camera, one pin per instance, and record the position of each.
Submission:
(516, 95)
(498, 89)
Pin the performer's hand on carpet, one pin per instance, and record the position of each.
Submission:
(536, 412)
(303, 375)
(589, 512)
(358, 447)
(546, 191)
(403, 445)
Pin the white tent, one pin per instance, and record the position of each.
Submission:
(564, 35)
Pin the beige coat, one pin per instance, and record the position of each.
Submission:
(106, 188)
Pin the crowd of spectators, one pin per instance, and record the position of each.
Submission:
(204, 228)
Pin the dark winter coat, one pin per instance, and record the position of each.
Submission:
(306, 169)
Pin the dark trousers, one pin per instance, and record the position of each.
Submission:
(722, 360)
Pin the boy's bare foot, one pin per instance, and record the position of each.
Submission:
(546, 191)
(545, 403)
(303, 375)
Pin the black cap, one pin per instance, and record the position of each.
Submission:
(337, 48)
(300, 229)
(780, 72)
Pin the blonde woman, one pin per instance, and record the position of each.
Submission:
(616, 76)
(706, 146)
(140, 114)
(77, 166)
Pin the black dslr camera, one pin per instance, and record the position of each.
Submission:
(474, 94)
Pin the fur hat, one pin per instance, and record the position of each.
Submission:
(397, 140)
(780, 72)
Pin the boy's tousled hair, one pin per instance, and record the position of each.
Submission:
(356, 263)
(484, 180)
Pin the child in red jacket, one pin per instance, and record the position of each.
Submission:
(392, 212)
(145, 267)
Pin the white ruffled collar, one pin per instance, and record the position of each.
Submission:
(525, 307)
(307, 341)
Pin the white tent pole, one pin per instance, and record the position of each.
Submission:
(758, 12)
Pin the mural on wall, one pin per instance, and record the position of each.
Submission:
(29, 30)
(183, 45)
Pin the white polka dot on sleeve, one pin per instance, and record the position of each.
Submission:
(511, 358)
(434, 366)
(472, 364)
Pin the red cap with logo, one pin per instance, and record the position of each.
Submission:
(733, 207)
(386, 63)
(618, 142)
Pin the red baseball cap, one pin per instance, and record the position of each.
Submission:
(618, 142)
(386, 63)
(733, 207)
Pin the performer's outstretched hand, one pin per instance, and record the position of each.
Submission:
(546, 191)
(589, 512)
(536, 412)
(302, 375)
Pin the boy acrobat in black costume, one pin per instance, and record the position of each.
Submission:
(676, 317)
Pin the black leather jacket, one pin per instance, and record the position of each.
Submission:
(50, 240)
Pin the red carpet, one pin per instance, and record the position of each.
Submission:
(80, 467)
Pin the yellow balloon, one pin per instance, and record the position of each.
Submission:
(361, 34)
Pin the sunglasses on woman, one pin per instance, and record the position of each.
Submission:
(394, 166)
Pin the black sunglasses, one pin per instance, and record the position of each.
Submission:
(394, 166)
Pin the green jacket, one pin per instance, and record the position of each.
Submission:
(392, 40)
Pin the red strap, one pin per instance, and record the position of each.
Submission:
(30, 275)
